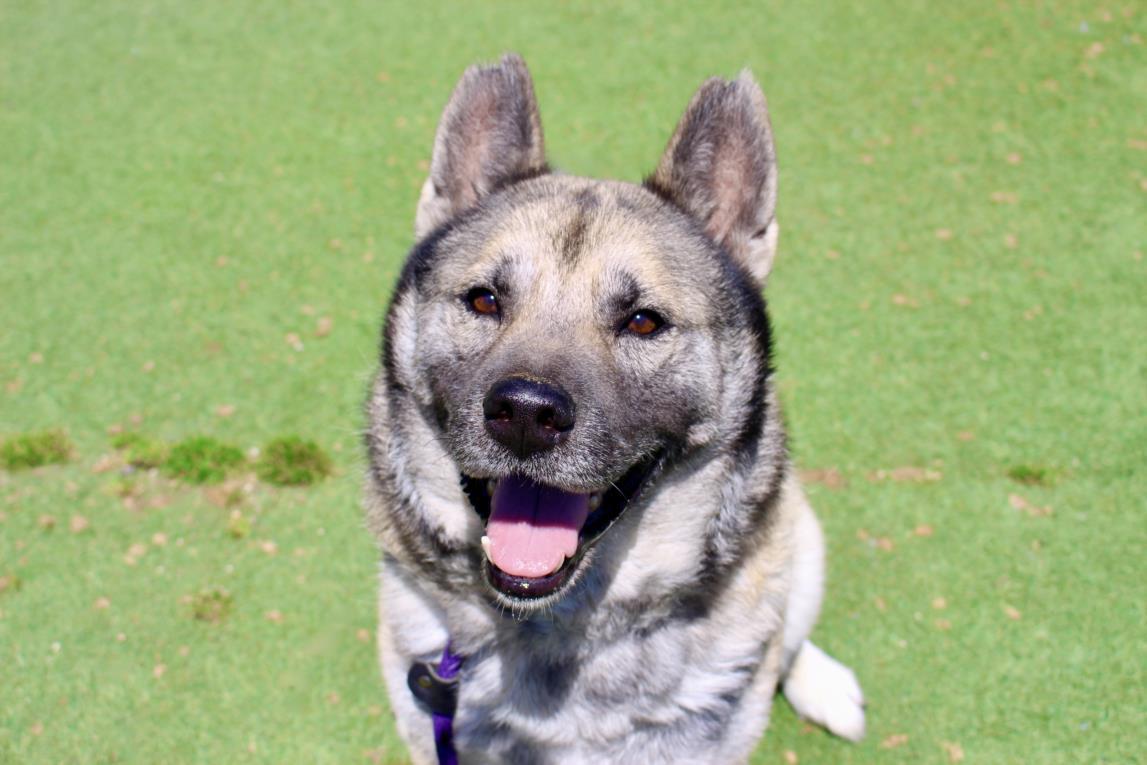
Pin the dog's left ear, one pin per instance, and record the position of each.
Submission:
(720, 166)
(489, 135)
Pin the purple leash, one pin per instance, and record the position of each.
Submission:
(436, 686)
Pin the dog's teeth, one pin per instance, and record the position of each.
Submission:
(486, 545)
(491, 485)
(594, 501)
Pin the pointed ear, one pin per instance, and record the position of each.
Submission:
(720, 166)
(489, 135)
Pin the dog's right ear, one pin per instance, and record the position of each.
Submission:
(489, 135)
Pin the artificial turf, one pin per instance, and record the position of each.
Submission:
(203, 207)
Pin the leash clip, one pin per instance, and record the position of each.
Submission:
(438, 693)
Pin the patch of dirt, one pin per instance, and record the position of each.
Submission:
(1035, 511)
(906, 474)
(830, 477)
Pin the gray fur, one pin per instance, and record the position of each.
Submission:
(679, 624)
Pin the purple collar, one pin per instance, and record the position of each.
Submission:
(436, 686)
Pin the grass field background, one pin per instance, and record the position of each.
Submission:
(203, 208)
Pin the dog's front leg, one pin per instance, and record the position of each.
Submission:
(819, 687)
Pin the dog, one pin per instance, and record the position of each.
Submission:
(578, 473)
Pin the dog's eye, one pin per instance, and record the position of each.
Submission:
(482, 301)
(644, 323)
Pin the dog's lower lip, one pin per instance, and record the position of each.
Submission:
(524, 587)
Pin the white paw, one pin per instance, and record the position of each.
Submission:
(823, 690)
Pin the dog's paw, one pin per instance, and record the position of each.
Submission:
(823, 690)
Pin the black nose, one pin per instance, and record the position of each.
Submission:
(528, 417)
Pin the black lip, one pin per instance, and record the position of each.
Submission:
(615, 500)
(527, 587)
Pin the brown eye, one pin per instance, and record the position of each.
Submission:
(482, 301)
(644, 323)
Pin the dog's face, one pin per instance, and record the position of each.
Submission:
(565, 342)
(567, 339)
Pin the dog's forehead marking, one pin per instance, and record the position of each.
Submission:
(571, 234)
(599, 226)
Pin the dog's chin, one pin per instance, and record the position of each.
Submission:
(523, 590)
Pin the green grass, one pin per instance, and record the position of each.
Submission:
(1032, 475)
(33, 450)
(292, 461)
(203, 208)
(202, 460)
(212, 605)
(141, 451)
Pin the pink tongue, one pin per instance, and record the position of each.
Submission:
(533, 528)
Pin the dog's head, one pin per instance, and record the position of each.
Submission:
(564, 340)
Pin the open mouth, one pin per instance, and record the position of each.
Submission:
(537, 535)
